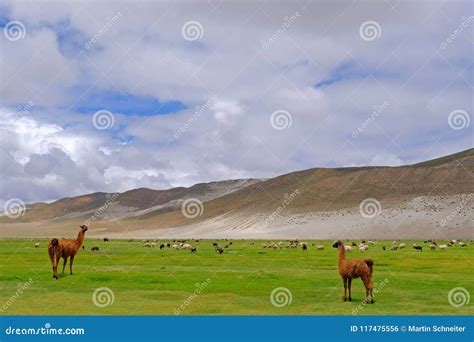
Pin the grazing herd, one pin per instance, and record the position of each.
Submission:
(349, 269)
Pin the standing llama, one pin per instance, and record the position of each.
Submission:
(65, 248)
(355, 268)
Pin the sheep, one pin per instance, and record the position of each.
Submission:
(443, 246)
(219, 250)
(304, 247)
(383, 247)
(174, 247)
(153, 244)
(353, 244)
(418, 248)
(162, 246)
(362, 249)
(214, 244)
(95, 248)
(348, 249)
(226, 246)
(193, 249)
(432, 246)
(372, 243)
(146, 244)
(186, 246)
(320, 247)
(37, 244)
(462, 244)
(106, 239)
(394, 248)
(401, 246)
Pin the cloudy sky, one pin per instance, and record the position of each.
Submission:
(110, 96)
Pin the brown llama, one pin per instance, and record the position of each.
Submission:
(65, 248)
(355, 268)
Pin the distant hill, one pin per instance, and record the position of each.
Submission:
(240, 206)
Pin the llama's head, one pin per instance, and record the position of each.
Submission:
(337, 243)
(83, 227)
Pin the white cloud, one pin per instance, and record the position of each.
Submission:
(144, 54)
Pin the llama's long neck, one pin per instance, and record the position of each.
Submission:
(80, 238)
(342, 253)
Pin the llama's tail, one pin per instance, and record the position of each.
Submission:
(54, 251)
(370, 264)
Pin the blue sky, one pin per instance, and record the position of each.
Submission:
(111, 96)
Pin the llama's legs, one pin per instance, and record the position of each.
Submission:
(56, 268)
(70, 263)
(52, 266)
(345, 288)
(64, 264)
(368, 290)
(349, 284)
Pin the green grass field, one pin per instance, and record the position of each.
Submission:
(148, 281)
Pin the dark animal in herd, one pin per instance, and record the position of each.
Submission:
(65, 248)
(354, 268)
(418, 248)
(106, 239)
(95, 249)
(219, 250)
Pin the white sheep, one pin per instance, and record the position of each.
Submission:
(348, 249)
(37, 244)
(402, 245)
(443, 246)
(320, 247)
(432, 246)
(174, 247)
(462, 244)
